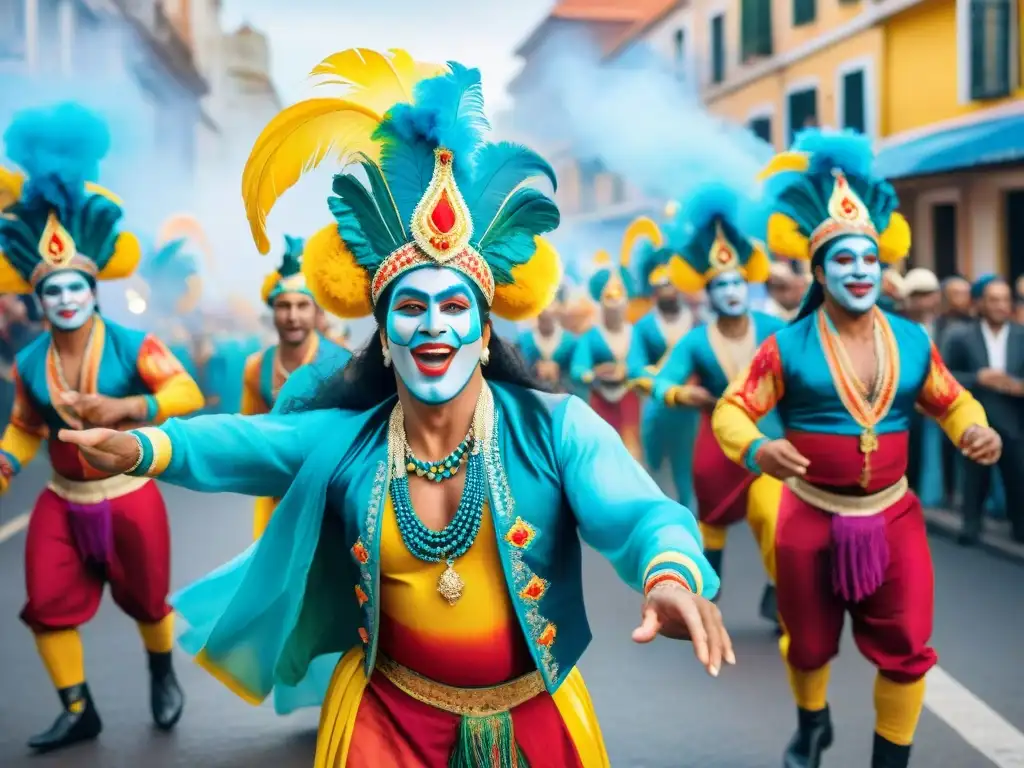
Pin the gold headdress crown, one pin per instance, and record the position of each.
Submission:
(847, 215)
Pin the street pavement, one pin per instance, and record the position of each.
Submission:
(657, 707)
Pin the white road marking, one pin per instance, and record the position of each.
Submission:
(13, 527)
(973, 720)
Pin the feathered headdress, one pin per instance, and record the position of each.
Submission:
(171, 278)
(287, 278)
(611, 282)
(707, 238)
(823, 189)
(436, 192)
(55, 216)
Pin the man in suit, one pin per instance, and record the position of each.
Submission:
(987, 357)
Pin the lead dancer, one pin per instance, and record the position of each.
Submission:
(845, 377)
(87, 528)
(447, 501)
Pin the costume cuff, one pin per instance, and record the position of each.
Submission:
(155, 452)
(152, 408)
(750, 455)
(673, 566)
(12, 460)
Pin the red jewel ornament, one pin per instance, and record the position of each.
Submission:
(723, 255)
(443, 216)
(56, 245)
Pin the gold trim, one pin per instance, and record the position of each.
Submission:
(848, 506)
(466, 702)
(677, 558)
(95, 491)
(162, 450)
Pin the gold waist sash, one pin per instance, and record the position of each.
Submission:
(466, 702)
(848, 506)
(95, 491)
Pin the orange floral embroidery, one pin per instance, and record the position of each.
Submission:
(361, 596)
(534, 589)
(547, 636)
(760, 388)
(521, 534)
(940, 389)
(359, 551)
(364, 635)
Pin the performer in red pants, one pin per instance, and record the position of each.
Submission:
(87, 529)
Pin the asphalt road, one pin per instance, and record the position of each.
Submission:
(658, 709)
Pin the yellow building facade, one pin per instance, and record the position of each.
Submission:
(936, 83)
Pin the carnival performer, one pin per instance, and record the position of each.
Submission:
(845, 377)
(600, 360)
(464, 618)
(547, 348)
(299, 343)
(87, 528)
(715, 255)
(663, 433)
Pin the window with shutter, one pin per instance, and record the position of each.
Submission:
(802, 109)
(804, 12)
(755, 29)
(718, 49)
(762, 128)
(944, 240)
(990, 22)
(12, 30)
(854, 106)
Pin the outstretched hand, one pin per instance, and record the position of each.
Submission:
(673, 611)
(107, 450)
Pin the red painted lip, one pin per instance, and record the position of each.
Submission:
(67, 314)
(433, 359)
(860, 290)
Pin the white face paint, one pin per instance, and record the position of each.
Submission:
(68, 300)
(434, 333)
(853, 274)
(728, 294)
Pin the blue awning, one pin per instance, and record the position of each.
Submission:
(987, 143)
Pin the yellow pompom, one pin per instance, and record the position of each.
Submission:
(684, 277)
(785, 161)
(10, 280)
(534, 285)
(758, 266)
(337, 282)
(127, 254)
(894, 243)
(641, 228)
(269, 284)
(785, 240)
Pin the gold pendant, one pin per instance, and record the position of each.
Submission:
(868, 445)
(450, 585)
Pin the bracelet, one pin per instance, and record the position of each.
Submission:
(142, 454)
(664, 578)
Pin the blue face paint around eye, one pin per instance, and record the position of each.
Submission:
(68, 300)
(728, 294)
(434, 333)
(853, 273)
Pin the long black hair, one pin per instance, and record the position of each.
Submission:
(366, 382)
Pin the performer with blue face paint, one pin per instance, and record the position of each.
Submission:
(845, 377)
(547, 348)
(432, 501)
(711, 253)
(88, 528)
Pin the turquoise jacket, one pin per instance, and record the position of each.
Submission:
(532, 354)
(649, 346)
(292, 596)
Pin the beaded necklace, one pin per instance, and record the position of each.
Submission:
(439, 471)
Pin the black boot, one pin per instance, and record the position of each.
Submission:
(78, 722)
(888, 755)
(166, 698)
(714, 556)
(813, 737)
(770, 605)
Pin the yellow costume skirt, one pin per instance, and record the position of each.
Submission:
(378, 736)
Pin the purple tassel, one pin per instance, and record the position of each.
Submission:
(860, 555)
(92, 531)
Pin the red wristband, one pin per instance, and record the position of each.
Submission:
(663, 577)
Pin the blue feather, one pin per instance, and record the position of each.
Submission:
(498, 170)
(711, 205)
(351, 232)
(709, 202)
(59, 148)
(526, 213)
(406, 163)
(847, 149)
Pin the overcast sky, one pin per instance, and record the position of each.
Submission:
(473, 32)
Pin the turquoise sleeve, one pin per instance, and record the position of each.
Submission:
(676, 370)
(250, 455)
(637, 360)
(620, 510)
(582, 361)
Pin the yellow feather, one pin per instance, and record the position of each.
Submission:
(785, 161)
(639, 228)
(10, 187)
(373, 79)
(785, 240)
(894, 243)
(96, 189)
(297, 141)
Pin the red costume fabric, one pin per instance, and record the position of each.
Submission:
(719, 484)
(623, 415)
(64, 590)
